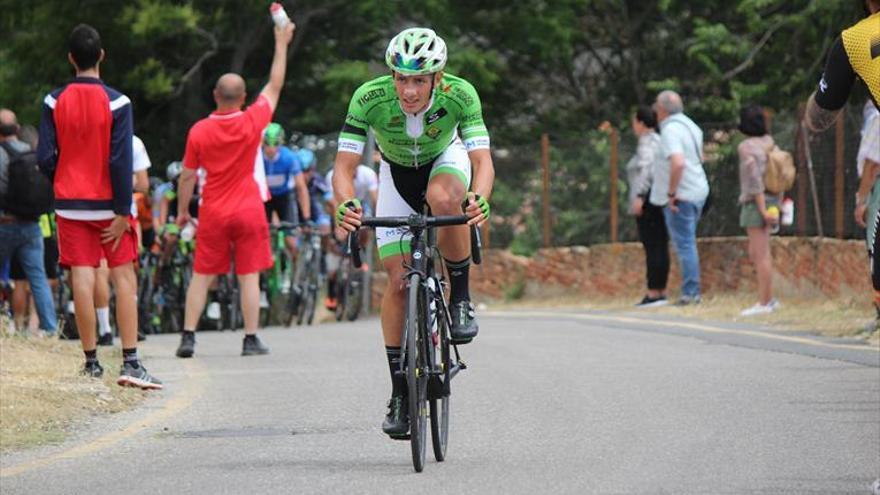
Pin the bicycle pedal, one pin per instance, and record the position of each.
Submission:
(405, 436)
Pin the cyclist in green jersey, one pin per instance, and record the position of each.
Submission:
(429, 129)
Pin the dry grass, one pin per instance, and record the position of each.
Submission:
(843, 317)
(42, 394)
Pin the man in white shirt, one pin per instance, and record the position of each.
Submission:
(682, 186)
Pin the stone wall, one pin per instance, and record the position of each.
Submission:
(804, 267)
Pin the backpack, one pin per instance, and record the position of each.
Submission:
(780, 174)
(28, 192)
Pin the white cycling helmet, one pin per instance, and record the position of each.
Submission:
(172, 171)
(416, 51)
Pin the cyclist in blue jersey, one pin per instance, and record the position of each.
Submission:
(283, 176)
(320, 193)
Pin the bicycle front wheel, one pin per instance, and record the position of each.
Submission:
(416, 371)
(440, 406)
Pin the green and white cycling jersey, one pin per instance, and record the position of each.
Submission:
(414, 140)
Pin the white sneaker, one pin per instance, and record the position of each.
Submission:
(761, 309)
(213, 311)
(264, 300)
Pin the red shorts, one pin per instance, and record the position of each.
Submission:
(244, 235)
(79, 243)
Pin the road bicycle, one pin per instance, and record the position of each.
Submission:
(430, 360)
(162, 288)
(277, 282)
(307, 279)
(350, 283)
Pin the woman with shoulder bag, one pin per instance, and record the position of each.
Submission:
(759, 210)
(649, 217)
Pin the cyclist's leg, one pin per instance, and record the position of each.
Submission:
(394, 248)
(448, 186)
(449, 183)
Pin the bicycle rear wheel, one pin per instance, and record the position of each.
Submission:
(314, 287)
(416, 376)
(440, 406)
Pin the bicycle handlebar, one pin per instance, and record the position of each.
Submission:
(415, 221)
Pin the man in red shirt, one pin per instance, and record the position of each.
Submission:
(232, 222)
(85, 146)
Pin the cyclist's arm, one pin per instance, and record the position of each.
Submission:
(837, 81)
(476, 140)
(302, 195)
(272, 90)
(484, 172)
(343, 175)
(185, 186)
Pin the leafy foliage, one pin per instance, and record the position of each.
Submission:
(560, 67)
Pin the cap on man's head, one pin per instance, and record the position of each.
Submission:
(84, 45)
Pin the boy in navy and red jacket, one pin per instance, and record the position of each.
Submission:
(86, 147)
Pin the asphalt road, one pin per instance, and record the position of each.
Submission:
(551, 403)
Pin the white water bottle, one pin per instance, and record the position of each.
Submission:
(787, 211)
(279, 15)
(188, 232)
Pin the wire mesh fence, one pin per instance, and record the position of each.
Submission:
(570, 203)
(581, 180)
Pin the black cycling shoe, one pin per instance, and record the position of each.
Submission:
(464, 322)
(253, 347)
(92, 370)
(187, 345)
(396, 424)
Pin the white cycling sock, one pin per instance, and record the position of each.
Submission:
(103, 320)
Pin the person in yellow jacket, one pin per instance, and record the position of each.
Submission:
(855, 54)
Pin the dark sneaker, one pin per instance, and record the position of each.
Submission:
(141, 335)
(464, 322)
(689, 300)
(652, 302)
(396, 424)
(253, 347)
(92, 370)
(187, 345)
(131, 376)
(106, 339)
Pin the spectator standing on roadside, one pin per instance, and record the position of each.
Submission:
(754, 203)
(649, 216)
(22, 237)
(232, 219)
(680, 184)
(85, 146)
(868, 193)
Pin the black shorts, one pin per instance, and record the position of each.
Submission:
(281, 205)
(50, 260)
